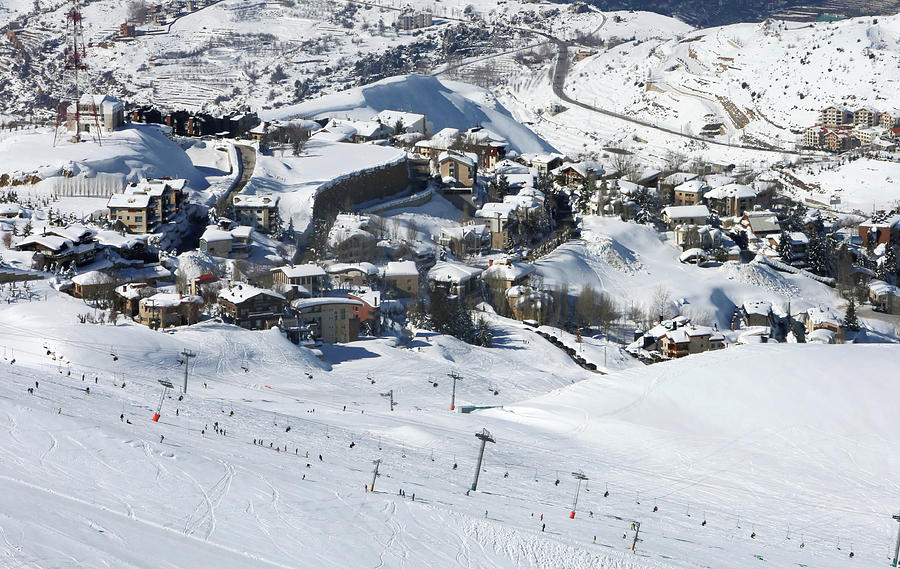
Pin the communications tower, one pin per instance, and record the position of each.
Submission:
(73, 62)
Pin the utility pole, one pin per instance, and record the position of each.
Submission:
(485, 437)
(455, 376)
(188, 354)
(377, 463)
(897, 545)
(636, 526)
(579, 476)
(166, 386)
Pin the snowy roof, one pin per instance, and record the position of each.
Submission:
(241, 292)
(170, 300)
(363, 267)
(732, 191)
(213, 234)
(255, 201)
(763, 307)
(302, 303)
(9, 209)
(764, 223)
(99, 100)
(133, 290)
(298, 271)
(819, 315)
(51, 242)
(517, 179)
(74, 232)
(391, 117)
(365, 129)
(145, 273)
(467, 158)
(401, 269)
(483, 136)
(799, 238)
(506, 167)
(716, 180)
(820, 335)
(694, 186)
(452, 272)
(129, 200)
(685, 211)
(879, 288)
(678, 178)
(508, 271)
(242, 232)
(464, 231)
(93, 278)
(696, 252)
(492, 210)
(628, 188)
(583, 168)
(679, 336)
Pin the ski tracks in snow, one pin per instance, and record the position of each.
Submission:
(204, 515)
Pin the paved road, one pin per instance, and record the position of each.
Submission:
(247, 156)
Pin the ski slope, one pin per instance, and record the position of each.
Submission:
(740, 433)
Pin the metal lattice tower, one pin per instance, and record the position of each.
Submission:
(73, 62)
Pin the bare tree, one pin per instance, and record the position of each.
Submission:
(626, 166)
(138, 11)
(661, 303)
(412, 231)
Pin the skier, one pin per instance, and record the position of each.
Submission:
(35, 385)
(542, 517)
(31, 390)
(288, 429)
(122, 418)
(95, 380)
(87, 390)
(655, 509)
(352, 444)
(59, 411)
(254, 441)
(176, 412)
(467, 492)
(161, 438)
(543, 526)
(320, 458)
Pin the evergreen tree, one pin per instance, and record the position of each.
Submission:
(27, 229)
(502, 186)
(785, 251)
(483, 336)
(816, 255)
(850, 321)
(888, 269)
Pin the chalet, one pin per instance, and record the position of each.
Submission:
(299, 280)
(408, 122)
(839, 140)
(163, 310)
(506, 274)
(884, 297)
(575, 174)
(731, 199)
(880, 228)
(528, 303)
(814, 136)
(352, 274)
(93, 285)
(753, 313)
(368, 312)
(761, 223)
(129, 296)
(466, 239)
(458, 168)
(259, 211)
(676, 179)
(799, 243)
(251, 307)
(61, 246)
(362, 131)
(348, 239)
(227, 244)
(689, 236)
(690, 339)
(329, 320)
(455, 279)
(442, 141)
(689, 193)
(489, 146)
(545, 162)
(146, 204)
(690, 214)
(823, 318)
(10, 210)
(713, 129)
(126, 30)
(402, 277)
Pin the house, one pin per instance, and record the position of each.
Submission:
(203, 285)
(440, 142)
(824, 318)
(146, 204)
(835, 116)
(814, 136)
(489, 146)
(713, 129)
(368, 312)
(455, 279)
(506, 274)
(676, 179)
(61, 246)
(575, 174)
(880, 228)
(753, 313)
(10, 210)
(330, 320)
(128, 297)
(93, 285)
(402, 277)
(96, 111)
(689, 214)
(336, 132)
(458, 168)
(884, 297)
(299, 280)
(689, 193)
(731, 199)
(528, 303)
(839, 140)
(866, 135)
(126, 30)
(466, 239)
(348, 240)
(251, 307)
(799, 243)
(259, 211)
(228, 244)
(151, 274)
(411, 20)
(689, 339)
(163, 310)
(352, 274)
(544, 162)
(689, 236)
(407, 122)
(761, 223)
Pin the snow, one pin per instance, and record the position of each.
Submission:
(446, 271)
(685, 211)
(302, 303)
(170, 300)
(93, 278)
(447, 104)
(85, 489)
(298, 271)
(239, 293)
(401, 269)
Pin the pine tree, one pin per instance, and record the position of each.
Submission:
(483, 335)
(850, 321)
(785, 251)
(888, 269)
(502, 186)
(27, 229)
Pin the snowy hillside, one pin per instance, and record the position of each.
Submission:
(447, 104)
(83, 487)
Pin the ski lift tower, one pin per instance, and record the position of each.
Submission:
(73, 62)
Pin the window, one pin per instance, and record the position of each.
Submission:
(138, 218)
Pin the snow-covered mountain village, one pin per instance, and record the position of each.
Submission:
(340, 283)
